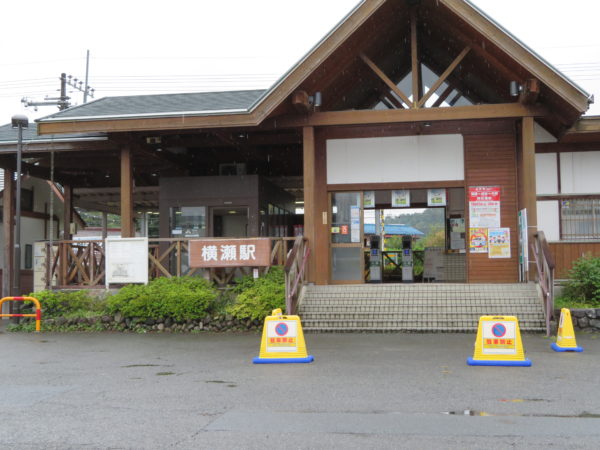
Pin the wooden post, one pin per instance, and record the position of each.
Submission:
(527, 184)
(8, 225)
(308, 142)
(127, 228)
(63, 248)
(415, 66)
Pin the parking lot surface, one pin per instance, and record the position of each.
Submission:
(161, 391)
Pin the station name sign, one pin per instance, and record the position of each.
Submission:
(208, 253)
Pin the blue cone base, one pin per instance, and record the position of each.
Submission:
(259, 360)
(557, 348)
(480, 362)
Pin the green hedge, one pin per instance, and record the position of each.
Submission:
(257, 298)
(583, 288)
(66, 304)
(178, 298)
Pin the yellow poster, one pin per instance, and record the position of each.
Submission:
(478, 240)
(499, 242)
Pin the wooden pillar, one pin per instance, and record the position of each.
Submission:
(8, 225)
(127, 228)
(104, 224)
(67, 212)
(527, 185)
(308, 143)
(415, 66)
(315, 206)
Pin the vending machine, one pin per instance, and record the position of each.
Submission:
(407, 260)
(375, 273)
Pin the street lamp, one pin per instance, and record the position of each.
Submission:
(18, 121)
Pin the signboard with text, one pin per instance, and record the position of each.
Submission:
(207, 253)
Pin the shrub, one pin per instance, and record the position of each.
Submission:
(257, 298)
(584, 284)
(180, 298)
(66, 303)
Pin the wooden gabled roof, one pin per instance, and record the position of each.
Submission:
(381, 30)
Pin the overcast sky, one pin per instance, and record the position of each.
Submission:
(184, 46)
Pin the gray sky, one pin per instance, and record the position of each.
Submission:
(184, 46)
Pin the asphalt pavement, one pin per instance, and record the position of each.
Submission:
(188, 391)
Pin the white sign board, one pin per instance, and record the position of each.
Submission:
(282, 336)
(499, 337)
(126, 260)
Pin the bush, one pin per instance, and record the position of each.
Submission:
(257, 298)
(180, 298)
(584, 284)
(65, 303)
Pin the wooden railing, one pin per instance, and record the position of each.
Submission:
(545, 272)
(80, 264)
(295, 273)
(75, 263)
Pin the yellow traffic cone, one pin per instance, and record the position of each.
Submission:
(282, 341)
(565, 339)
(498, 343)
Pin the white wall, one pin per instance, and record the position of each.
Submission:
(546, 173)
(395, 159)
(547, 217)
(580, 172)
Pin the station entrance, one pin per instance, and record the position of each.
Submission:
(398, 236)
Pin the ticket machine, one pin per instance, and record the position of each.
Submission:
(407, 259)
(375, 259)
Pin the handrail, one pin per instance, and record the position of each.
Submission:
(295, 272)
(38, 309)
(545, 271)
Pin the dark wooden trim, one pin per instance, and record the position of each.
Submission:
(127, 228)
(396, 185)
(366, 117)
(528, 183)
(67, 211)
(569, 197)
(414, 58)
(8, 225)
(557, 147)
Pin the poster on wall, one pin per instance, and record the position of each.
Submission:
(478, 240)
(499, 242)
(354, 223)
(484, 206)
(436, 197)
(369, 199)
(401, 198)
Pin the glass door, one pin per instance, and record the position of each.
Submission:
(346, 241)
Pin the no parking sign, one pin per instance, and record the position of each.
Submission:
(498, 343)
(282, 340)
(282, 336)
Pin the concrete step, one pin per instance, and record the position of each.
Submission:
(418, 307)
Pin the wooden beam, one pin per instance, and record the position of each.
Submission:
(443, 96)
(530, 92)
(389, 83)
(414, 58)
(300, 101)
(366, 117)
(443, 76)
(127, 228)
(8, 225)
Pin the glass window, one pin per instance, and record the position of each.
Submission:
(580, 219)
(345, 210)
(346, 263)
(188, 221)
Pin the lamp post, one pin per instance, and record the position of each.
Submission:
(18, 121)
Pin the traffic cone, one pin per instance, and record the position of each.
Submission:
(498, 343)
(565, 339)
(282, 341)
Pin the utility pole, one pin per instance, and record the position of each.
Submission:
(87, 72)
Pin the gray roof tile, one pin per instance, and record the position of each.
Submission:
(162, 104)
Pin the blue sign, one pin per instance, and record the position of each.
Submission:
(499, 330)
(281, 329)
